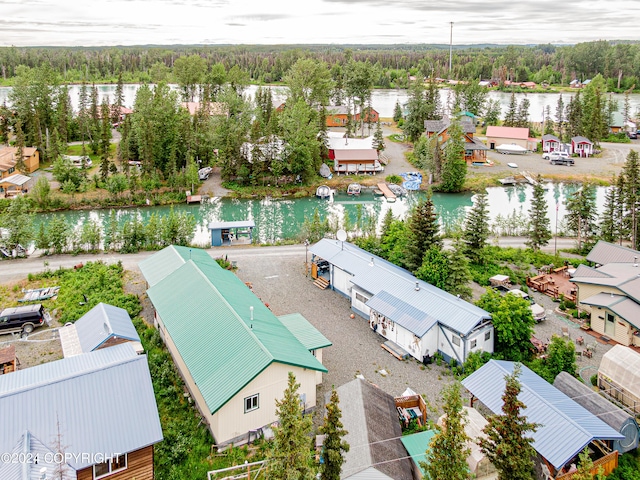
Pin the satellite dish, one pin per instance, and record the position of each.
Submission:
(342, 235)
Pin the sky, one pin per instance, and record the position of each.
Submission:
(167, 22)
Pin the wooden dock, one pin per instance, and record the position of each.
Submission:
(389, 195)
(196, 198)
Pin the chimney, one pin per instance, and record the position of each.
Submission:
(417, 287)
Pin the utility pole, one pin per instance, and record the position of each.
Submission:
(450, 47)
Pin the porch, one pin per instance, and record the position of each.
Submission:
(554, 282)
(608, 462)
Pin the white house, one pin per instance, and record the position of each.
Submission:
(417, 317)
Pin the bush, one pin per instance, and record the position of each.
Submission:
(393, 179)
(594, 379)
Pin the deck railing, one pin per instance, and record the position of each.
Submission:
(608, 463)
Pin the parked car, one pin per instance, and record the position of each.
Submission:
(556, 155)
(24, 318)
(562, 161)
(538, 311)
(632, 135)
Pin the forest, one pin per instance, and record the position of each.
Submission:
(617, 61)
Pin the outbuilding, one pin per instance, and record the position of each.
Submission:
(613, 416)
(619, 376)
(226, 233)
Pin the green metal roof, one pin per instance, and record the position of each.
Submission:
(306, 333)
(205, 310)
(417, 445)
(167, 260)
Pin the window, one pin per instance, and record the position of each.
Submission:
(487, 336)
(109, 466)
(361, 298)
(456, 340)
(251, 403)
(12, 169)
(474, 342)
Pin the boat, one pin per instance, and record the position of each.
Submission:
(36, 294)
(511, 149)
(323, 191)
(397, 190)
(512, 165)
(354, 189)
(377, 192)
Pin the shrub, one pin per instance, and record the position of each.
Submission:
(393, 179)
(594, 379)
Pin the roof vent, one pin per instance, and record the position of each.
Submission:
(371, 262)
(251, 312)
(635, 261)
(417, 287)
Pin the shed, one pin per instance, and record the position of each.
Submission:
(102, 326)
(565, 427)
(613, 416)
(369, 415)
(8, 359)
(619, 376)
(223, 233)
(417, 445)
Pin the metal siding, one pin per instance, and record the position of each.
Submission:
(109, 407)
(306, 333)
(222, 347)
(565, 427)
(90, 327)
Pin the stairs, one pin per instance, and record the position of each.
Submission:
(322, 283)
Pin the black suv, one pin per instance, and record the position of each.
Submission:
(24, 318)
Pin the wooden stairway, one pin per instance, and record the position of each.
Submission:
(322, 283)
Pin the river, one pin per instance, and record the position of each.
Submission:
(383, 101)
(282, 219)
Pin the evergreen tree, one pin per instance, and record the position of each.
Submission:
(387, 220)
(581, 215)
(457, 282)
(118, 101)
(20, 145)
(94, 122)
(334, 445)
(560, 117)
(397, 112)
(290, 455)
(522, 117)
(492, 112)
(423, 232)
(446, 458)
(594, 117)
(454, 167)
(64, 115)
(549, 127)
(631, 174)
(574, 116)
(511, 117)
(416, 112)
(609, 225)
(378, 139)
(620, 214)
(105, 140)
(433, 107)
(476, 227)
(17, 223)
(507, 445)
(4, 124)
(539, 224)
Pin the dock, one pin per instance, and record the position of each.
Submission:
(528, 177)
(389, 195)
(196, 198)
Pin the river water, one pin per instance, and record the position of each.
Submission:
(383, 101)
(282, 219)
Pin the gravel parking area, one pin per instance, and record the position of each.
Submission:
(281, 282)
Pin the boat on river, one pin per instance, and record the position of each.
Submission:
(323, 191)
(397, 190)
(354, 189)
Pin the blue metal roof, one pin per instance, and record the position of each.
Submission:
(409, 317)
(101, 401)
(103, 322)
(565, 427)
(374, 275)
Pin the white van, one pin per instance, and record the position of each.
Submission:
(538, 312)
(77, 160)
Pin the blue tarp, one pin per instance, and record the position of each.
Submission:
(412, 180)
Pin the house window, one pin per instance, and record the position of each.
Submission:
(474, 343)
(456, 340)
(110, 466)
(487, 336)
(12, 169)
(361, 298)
(251, 403)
